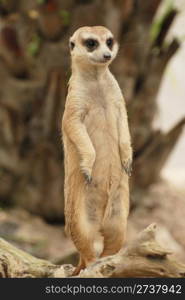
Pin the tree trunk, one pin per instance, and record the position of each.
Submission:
(34, 71)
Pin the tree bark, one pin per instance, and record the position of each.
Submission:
(34, 71)
(143, 258)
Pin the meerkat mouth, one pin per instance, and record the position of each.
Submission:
(98, 61)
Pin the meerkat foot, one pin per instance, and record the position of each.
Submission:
(127, 167)
(78, 269)
(81, 265)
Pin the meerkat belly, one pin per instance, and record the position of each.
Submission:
(101, 124)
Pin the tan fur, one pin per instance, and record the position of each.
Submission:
(97, 145)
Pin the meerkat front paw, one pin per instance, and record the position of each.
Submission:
(126, 158)
(88, 177)
(127, 167)
(86, 172)
(86, 166)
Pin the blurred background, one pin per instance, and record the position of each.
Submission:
(34, 71)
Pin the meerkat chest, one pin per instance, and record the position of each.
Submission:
(104, 94)
(102, 100)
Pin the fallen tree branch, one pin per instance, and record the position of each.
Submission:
(143, 258)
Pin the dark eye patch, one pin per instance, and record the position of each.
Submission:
(91, 44)
(110, 42)
(71, 45)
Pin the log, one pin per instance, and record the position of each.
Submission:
(143, 258)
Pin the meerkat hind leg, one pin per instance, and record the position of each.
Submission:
(84, 260)
(81, 265)
(113, 240)
(85, 246)
(114, 228)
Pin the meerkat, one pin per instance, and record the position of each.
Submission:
(97, 147)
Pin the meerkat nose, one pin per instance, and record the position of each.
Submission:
(107, 56)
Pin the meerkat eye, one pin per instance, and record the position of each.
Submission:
(110, 42)
(71, 45)
(91, 44)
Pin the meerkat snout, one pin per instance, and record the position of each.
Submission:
(107, 56)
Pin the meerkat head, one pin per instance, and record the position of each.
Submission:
(93, 46)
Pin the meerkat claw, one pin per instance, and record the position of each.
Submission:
(128, 167)
(88, 178)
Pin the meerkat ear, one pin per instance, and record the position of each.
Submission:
(71, 45)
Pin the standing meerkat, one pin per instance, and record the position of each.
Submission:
(97, 147)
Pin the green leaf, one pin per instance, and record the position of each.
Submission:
(34, 45)
(157, 24)
(41, 1)
(65, 15)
